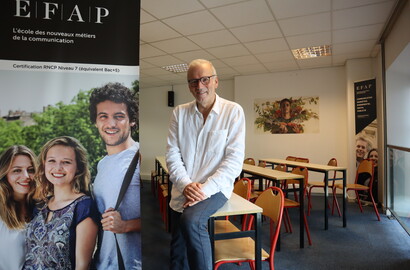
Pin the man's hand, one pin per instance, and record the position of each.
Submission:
(193, 192)
(112, 221)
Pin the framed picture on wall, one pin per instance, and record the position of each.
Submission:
(287, 115)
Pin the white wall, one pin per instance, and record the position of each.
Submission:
(329, 84)
(154, 118)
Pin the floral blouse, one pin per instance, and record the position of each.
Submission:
(51, 245)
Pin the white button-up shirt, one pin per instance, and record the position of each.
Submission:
(210, 153)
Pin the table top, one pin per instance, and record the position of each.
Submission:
(269, 173)
(311, 166)
(236, 205)
(162, 162)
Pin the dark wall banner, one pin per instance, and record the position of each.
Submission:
(366, 128)
(365, 103)
(53, 54)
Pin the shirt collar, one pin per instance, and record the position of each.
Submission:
(216, 108)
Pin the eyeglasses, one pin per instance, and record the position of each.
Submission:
(204, 80)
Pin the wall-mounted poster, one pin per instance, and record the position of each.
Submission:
(287, 115)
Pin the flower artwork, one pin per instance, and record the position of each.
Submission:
(287, 115)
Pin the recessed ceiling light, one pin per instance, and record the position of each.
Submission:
(178, 68)
(311, 52)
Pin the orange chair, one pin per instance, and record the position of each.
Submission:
(243, 189)
(249, 161)
(291, 158)
(297, 159)
(163, 203)
(279, 167)
(300, 159)
(332, 162)
(295, 204)
(365, 170)
(239, 250)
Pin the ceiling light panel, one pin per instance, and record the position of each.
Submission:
(312, 52)
(177, 68)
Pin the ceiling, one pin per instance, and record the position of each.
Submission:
(244, 37)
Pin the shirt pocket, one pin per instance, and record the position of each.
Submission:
(217, 141)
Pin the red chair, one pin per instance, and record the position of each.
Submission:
(295, 204)
(239, 250)
(364, 170)
(332, 162)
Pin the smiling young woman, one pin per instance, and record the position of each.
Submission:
(17, 168)
(62, 233)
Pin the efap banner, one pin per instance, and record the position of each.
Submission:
(54, 53)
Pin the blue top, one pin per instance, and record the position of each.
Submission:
(51, 245)
(111, 171)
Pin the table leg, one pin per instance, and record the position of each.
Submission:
(169, 208)
(211, 229)
(261, 188)
(326, 199)
(344, 198)
(258, 240)
(302, 213)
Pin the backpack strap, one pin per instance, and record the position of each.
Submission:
(125, 183)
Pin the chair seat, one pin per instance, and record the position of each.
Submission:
(291, 203)
(255, 194)
(319, 184)
(353, 186)
(224, 226)
(237, 249)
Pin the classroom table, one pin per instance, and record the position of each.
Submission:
(236, 205)
(277, 176)
(317, 168)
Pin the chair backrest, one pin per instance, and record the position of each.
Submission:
(262, 163)
(365, 170)
(281, 167)
(332, 162)
(291, 158)
(302, 171)
(243, 188)
(301, 159)
(250, 161)
(272, 203)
